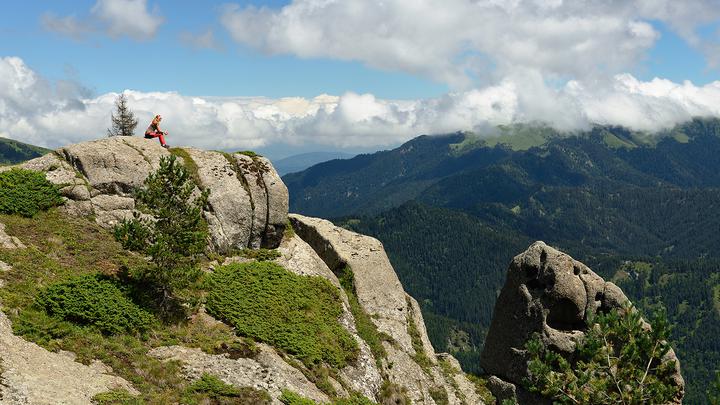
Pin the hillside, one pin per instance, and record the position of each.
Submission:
(608, 197)
(12, 152)
(296, 163)
(284, 308)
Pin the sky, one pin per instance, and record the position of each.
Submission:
(286, 77)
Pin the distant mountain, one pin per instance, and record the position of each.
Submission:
(296, 163)
(641, 209)
(12, 152)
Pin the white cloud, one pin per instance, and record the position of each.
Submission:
(36, 111)
(68, 25)
(116, 18)
(205, 40)
(450, 40)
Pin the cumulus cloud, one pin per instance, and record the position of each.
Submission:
(116, 18)
(40, 112)
(205, 40)
(452, 41)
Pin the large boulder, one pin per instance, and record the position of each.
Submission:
(549, 293)
(248, 203)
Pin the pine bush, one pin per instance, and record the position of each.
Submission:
(26, 192)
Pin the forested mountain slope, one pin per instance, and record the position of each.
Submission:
(12, 152)
(642, 209)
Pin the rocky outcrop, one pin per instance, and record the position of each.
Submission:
(248, 201)
(7, 241)
(411, 361)
(33, 375)
(549, 293)
(267, 371)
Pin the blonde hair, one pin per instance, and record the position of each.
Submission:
(156, 119)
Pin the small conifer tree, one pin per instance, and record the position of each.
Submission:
(123, 120)
(617, 362)
(169, 228)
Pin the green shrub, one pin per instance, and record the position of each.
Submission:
(616, 362)
(26, 192)
(175, 234)
(391, 393)
(214, 388)
(261, 254)
(291, 398)
(439, 395)
(95, 301)
(297, 314)
(116, 397)
(355, 399)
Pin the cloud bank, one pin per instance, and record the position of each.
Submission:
(458, 41)
(39, 112)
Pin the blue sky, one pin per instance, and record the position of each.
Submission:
(247, 74)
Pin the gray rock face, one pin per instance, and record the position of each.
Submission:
(546, 292)
(7, 241)
(248, 202)
(33, 375)
(391, 309)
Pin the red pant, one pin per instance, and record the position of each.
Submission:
(152, 135)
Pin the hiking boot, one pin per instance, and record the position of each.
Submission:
(166, 146)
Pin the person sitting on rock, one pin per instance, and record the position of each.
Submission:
(154, 131)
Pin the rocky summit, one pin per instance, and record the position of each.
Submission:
(395, 362)
(248, 202)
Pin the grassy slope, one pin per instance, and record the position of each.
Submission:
(61, 247)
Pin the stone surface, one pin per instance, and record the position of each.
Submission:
(249, 171)
(7, 241)
(34, 376)
(382, 296)
(231, 214)
(267, 371)
(278, 203)
(546, 292)
(248, 202)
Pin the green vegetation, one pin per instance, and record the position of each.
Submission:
(188, 162)
(292, 398)
(713, 393)
(95, 301)
(391, 393)
(116, 397)
(261, 254)
(216, 389)
(26, 192)
(13, 152)
(294, 313)
(618, 361)
(248, 153)
(365, 326)
(439, 395)
(481, 388)
(63, 248)
(175, 235)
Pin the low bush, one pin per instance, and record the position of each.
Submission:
(26, 192)
(292, 398)
(214, 388)
(297, 314)
(116, 397)
(95, 301)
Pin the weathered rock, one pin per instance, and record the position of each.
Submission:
(267, 371)
(252, 179)
(231, 216)
(9, 242)
(248, 202)
(549, 293)
(33, 375)
(381, 295)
